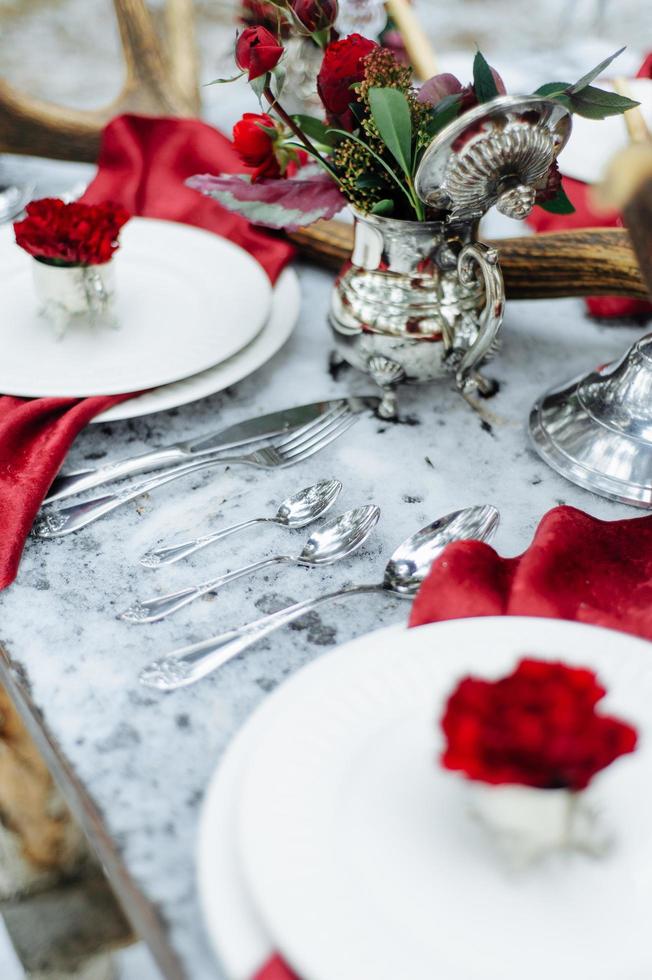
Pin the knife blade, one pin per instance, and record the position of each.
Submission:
(233, 437)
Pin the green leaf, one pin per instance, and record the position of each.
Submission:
(590, 75)
(483, 81)
(383, 207)
(315, 129)
(444, 113)
(258, 85)
(553, 88)
(595, 103)
(224, 81)
(356, 139)
(391, 113)
(559, 204)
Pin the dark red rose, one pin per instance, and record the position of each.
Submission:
(342, 67)
(536, 727)
(255, 145)
(315, 15)
(257, 13)
(74, 234)
(257, 51)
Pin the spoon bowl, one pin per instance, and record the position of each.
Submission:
(340, 537)
(307, 505)
(411, 561)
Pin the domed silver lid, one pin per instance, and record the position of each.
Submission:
(499, 153)
(597, 429)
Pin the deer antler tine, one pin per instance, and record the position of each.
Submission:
(154, 84)
(182, 50)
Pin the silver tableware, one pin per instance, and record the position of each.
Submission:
(422, 301)
(596, 430)
(336, 540)
(233, 437)
(13, 199)
(404, 573)
(296, 511)
(295, 448)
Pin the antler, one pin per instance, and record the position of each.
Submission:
(157, 82)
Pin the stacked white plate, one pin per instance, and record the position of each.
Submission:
(330, 834)
(197, 313)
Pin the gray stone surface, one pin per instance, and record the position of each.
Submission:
(142, 760)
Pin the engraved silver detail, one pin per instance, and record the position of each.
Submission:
(165, 674)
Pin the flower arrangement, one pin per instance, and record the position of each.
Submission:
(538, 727)
(530, 744)
(73, 234)
(376, 124)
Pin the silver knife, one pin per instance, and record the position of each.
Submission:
(235, 436)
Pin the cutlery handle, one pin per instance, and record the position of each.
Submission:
(153, 610)
(192, 663)
(56, 523)
(68, 484)
(173, 553)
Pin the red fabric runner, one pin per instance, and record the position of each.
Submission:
(586, 217)
(577, 567)
(143, 165)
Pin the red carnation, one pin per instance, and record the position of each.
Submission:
(315, 15)
(536, 727)
(257, 51)
(71, 234)
(342, 67)
(255, 145)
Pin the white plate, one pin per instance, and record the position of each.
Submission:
(232, 922)
(186, 300)
(357, 847)
(594, 142)
(286, 301)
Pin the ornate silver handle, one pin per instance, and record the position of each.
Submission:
(54, 523)
(170, 554)
(192, 663)
(153, 610)
(68, 484)
(491, 318)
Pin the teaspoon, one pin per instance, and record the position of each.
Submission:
(337, 539)
(404, 573)
(299, 510)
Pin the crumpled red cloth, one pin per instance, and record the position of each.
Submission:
(143, 164)
(586, 217)
(577, 567)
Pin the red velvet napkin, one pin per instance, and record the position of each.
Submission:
(143, 165)
(586, 217)
(577, 567)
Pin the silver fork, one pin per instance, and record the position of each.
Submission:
(302, 444)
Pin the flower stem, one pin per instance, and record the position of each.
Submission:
(290, 123)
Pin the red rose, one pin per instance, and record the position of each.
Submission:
(342, 67)
(255, 145)
(315, 15)
(72, 234)
(536, 727)
(257, 51)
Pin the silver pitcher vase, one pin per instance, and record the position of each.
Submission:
(419, 301)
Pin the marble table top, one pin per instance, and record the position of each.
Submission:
(134, 764)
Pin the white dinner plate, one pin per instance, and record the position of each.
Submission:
(595, 142)
(286, 302)
(232, 921)
(186, 300)
(359, 852)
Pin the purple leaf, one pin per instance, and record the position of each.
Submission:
(289, 202)
(438, 87)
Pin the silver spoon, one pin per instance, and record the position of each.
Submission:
(299, 510)
(337, 539)
(404, 573)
